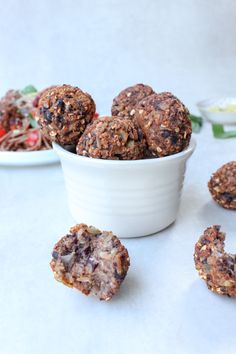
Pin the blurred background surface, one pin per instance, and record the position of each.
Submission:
(184, 46)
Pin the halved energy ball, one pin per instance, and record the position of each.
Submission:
(112, 138)
(165, 123)
(92, 261)
(213, 264)
(222, 186)
(124, 104)
(64, 113)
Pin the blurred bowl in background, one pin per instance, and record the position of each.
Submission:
(130, 198)
(219, 110)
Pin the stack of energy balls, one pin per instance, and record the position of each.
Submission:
(143, 124)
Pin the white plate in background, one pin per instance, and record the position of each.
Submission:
(28, 158)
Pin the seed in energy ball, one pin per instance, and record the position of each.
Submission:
(92, 261)
(213, 264)
(124, 104)
(64, 113)
(165, 123)
(222, 186)
(112, 138)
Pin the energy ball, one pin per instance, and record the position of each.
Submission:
(64, 112)
(40, 93)
(222, 185)
(165, 123)
(213, 264)
(112, 138)
(154, 100)
(92, 261)
(124, 104)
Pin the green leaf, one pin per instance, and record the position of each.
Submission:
(197, 123)
(27, 90)
(220, 133)
(195, 127)
(33, 121)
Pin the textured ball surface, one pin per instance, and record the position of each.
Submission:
(64, 113)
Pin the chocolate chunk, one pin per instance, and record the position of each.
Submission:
(61, 105)
(55, 255)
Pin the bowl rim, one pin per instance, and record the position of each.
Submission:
(178, 156)
(208, 102)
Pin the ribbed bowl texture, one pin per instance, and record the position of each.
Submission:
(130, 198)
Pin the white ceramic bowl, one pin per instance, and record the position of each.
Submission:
(218, 117)
(131, 198)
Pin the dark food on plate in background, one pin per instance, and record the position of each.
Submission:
(214, 265)
(10, 117)
(123, 105)
(165, 123)
(92, 261)
(222, 185)
(18, 128)
(64, 112)
(112, 138)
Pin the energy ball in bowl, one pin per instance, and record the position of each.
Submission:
(213, 264)
(124, 104)
(112, 138)
(64, 113)
(92, 261)
(154, 100)
(165, 123)
(40, 93)
(222, 185)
